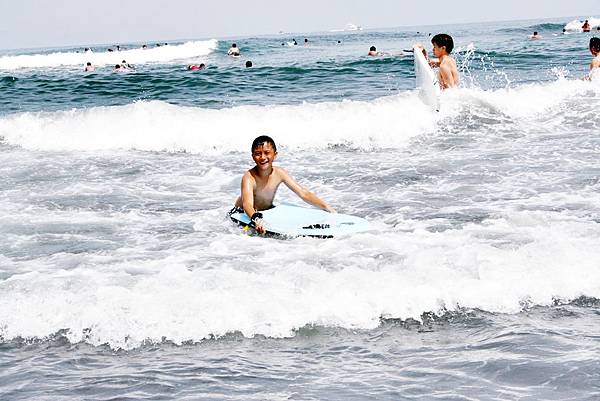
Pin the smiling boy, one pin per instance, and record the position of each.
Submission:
(260, 183)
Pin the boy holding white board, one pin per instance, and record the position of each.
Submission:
(442, 47)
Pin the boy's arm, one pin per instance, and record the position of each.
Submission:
(248, 201)
(304, 193)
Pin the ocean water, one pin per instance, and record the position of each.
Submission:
(122, 278)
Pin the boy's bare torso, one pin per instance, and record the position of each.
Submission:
(264, 188)
(448, 74)
(595, 62)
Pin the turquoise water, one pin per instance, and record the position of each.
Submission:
(122, 278)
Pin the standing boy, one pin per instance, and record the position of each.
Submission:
(442, 47)
(595, 50)
(260, 183)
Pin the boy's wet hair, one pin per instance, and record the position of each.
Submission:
(595, 44)
(372, 49)
(261, 140)
(443, 39)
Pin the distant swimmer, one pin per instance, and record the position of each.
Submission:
(535, 35)
(109, 50)
(586, 26)
(442, 47)
(127, 66)
(233, 50)
(305, 42)
(87, 50)
(595, 64)
(195, 67)
(260, 183)
(339, 42)
(248, 64)
(373, 52)
(295, 43)
(89, 67)
(144, 47)
(119, 69)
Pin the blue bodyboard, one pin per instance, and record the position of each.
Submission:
(288, 220)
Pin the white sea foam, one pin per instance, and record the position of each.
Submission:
(388, 122)
(162, 54)
(398, 273)
(123, 274)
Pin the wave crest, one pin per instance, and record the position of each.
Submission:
(134, 56)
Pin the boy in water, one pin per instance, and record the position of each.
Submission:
(260, 183)
(442, 47)
(233, 50)
(586, 27)
(373, 52)
(535, 35)
(595, 50)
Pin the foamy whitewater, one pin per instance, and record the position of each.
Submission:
(122, 278)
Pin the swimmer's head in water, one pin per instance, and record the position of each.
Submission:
(595, 45)
(261, 140)
(248, 64)
(372, 49)
(89, 64)
(234, 45)
(443, 40)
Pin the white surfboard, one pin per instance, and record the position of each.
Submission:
(290, 220)
(426, 80)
